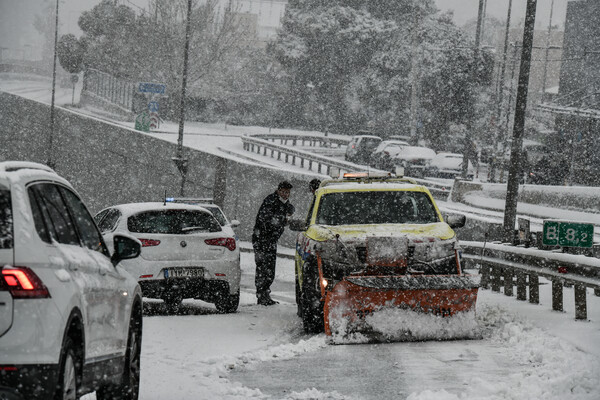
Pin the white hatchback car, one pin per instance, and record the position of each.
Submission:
(186, 253)
(70, 315)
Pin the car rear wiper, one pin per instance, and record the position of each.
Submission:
(193, 228)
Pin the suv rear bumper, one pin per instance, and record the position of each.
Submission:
(31, 381)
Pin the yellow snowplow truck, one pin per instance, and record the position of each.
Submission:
(370, 243)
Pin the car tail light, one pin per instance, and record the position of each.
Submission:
(353, 146)
(149, 242)
(225, 242)
(23, 283)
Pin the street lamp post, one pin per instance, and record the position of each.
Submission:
(180, 162)
(50, 161)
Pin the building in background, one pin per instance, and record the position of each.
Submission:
(576, 107)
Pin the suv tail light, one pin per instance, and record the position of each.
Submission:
(23, 283)
(225, 242)
(149, 242)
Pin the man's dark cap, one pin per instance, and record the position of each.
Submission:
(314, 184)
(284, 185)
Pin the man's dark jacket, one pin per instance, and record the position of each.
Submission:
(270, 220)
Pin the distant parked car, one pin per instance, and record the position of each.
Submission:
(70, 314)
(448, 166)
(414, 160)
(360, 148)
(186, 253)
(385, 152)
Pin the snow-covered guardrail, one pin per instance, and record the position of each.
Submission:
(325, 165)
(508, 266)
(266, 145)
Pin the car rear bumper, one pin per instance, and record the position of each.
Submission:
(205, 289)
(25, 382)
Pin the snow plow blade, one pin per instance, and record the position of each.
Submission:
(355, 297)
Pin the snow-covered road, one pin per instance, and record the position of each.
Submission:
(526, 352)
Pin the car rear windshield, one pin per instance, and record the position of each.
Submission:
(376, 207)
(173, 222)
(6, 219)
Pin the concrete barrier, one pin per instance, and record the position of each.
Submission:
(109, 164)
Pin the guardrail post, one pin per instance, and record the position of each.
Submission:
(508, 281)
(310, 165)
(287, 157)
(293, 160)
(484, 270)
(496, 274)
(272, 153)
(521, 286)
(557, 294)
(278, 155)
(319, 167)
(252, 147)
(301, 162)
(580, 301)
(265, 151)
(294, 142)
(534, 288)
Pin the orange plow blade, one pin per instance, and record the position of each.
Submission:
(354, 298)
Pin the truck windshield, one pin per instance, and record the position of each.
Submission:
(376, 207)
(6, 220)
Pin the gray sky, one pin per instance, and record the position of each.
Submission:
(465, 10)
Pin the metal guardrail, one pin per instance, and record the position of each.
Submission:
(257, 144)
(112, 89)
(265, 143)
(504, 266)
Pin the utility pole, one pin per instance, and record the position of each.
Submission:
(50, 160)
(180, 162)
(547, 51)
(468, 141)
(501, 95)
(512, 187)
(414, 78)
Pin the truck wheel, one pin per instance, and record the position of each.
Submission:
(67, 378)
(228, 303)
(312, 308)
(298, 299)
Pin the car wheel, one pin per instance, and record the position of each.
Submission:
(298, 298)
(67, 377)
(228, 303)
(129, 387)
(312, 308)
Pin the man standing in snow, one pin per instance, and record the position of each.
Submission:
(271, 219)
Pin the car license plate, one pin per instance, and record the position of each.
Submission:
(184, 272)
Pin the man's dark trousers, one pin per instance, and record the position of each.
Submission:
(265, 256)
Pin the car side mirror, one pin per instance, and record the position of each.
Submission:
(234, 223)
(298, 225)
(456, 221)
(126, 247)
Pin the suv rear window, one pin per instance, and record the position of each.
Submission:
(376, 207)
(6, 219)
(173, 222)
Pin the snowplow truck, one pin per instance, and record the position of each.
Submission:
(370, 243)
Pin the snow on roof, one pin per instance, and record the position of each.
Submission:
(362, 186)
(133, 208)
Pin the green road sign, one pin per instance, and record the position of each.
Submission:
(568, 234)
(142, 122)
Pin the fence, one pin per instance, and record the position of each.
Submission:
(508, 266)
(109, 88)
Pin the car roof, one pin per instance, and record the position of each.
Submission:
(134, 208)
(367, 136)
(24, 171)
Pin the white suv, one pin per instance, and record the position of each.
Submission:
(70, 316)
(186, 253)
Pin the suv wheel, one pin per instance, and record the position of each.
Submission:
(129, 387)
(312, 308)
(227, 303)
(67, 378)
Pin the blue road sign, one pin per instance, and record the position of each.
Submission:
(153, 106)
(148, 87)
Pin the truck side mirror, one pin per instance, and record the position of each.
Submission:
(456, 221)
(298, 225)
